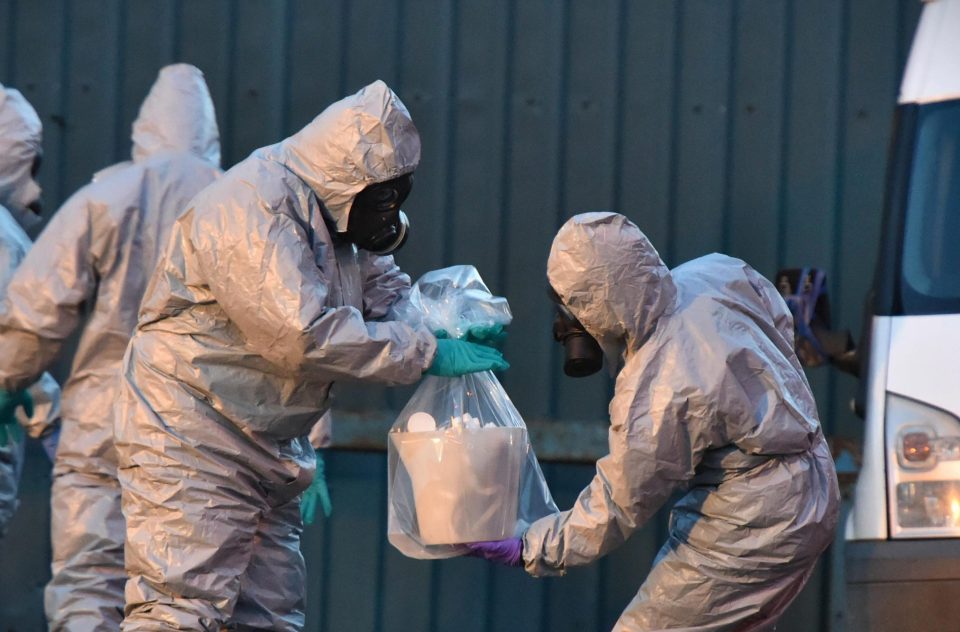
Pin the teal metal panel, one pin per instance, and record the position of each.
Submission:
(204, 35)
(808, 612)
(259, 73)
(517, 601)
(704, 83)
(315, 543)
(314, 43)
(461, 600)
(406, 592)
(573, 602)
(648, 108)
(817, 30)
(350, 599)
(8, 31)
(371, 45)
(478, 137)
(25, 550)
(755, 147)
(531, 199)
(870, 91)
(587, 180)
(93, 65)
(147, 31)
(39, 71)
(427, 79)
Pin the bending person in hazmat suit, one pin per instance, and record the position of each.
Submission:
(38, 408)
(275, 284)
(100, 249)
(711, 398)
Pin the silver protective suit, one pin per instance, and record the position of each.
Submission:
(20, 136)
(256, 309)
(99, 251)
(711, 399)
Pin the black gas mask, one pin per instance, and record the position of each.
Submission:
(583, 355)
(376, 222)
(35, 206)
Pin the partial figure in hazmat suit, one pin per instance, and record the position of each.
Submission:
(99, 250)
(275, 284)
(38, 408)
(710, 398)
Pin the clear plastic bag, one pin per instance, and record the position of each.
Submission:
(460, 465)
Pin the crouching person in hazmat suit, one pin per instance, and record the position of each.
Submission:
(99, 250)
(276, 282)
(38, 407)
(711, 398)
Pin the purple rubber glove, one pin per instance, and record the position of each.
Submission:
(508, 552)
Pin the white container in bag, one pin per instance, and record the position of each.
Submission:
(460, 467)
(465, 483)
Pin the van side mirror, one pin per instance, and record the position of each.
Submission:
(816, 343)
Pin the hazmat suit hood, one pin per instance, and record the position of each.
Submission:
(612, 279)
(177, 115)
(360, 140)
(20, 138)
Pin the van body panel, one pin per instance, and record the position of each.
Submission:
(931, 73)
(924, 360)
(868, 517)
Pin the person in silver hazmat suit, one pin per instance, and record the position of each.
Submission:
(710, 398)
(275, 284)
(20, 152)
(99, 250)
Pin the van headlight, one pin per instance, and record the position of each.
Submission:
(923, 445)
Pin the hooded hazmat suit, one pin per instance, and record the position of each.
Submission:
(99, 250)
(256, 309)
(20, 133)
(711, 398)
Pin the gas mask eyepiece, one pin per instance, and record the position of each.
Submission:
(376, 222)
(582, 353)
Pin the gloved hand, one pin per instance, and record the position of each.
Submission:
(9, 402)
(489, 335)
(508, 552)
(316, 492)
(459, 357)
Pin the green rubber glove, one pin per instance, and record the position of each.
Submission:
(459, 357)
(9, 402)
(316, 492)
(489, 335)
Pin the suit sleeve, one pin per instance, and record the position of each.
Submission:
(44, 298)
(385, 286)
(259, 265)
(653, 450)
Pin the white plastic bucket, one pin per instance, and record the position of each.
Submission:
(465, 483)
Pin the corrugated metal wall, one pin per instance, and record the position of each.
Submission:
(753, 127)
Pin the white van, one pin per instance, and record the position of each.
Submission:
(903, 531)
